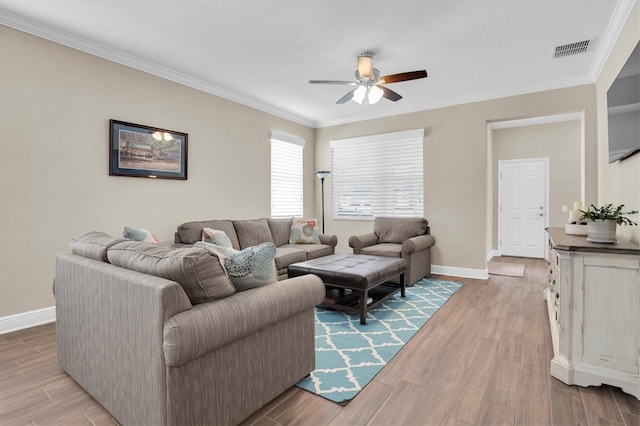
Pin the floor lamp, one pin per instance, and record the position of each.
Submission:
(322, 174)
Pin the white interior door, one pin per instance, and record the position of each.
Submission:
(522, 207)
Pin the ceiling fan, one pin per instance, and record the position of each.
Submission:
(369, 82)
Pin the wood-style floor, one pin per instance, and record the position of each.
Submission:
(483, 359)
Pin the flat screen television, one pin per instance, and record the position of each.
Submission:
(623, 110)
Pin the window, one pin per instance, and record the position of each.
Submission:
(286, 175)
(378, 175)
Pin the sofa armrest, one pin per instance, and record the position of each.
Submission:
(329, 240)
(210, 325)
(358, 242)
(112, 319)
(421, 242)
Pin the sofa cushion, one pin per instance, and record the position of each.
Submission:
(252, 232)
(286, 255)
(384, 249)
(396, 230)
(249, 268)
(304, 231)
(139, 235)
(94, 245)
(200, 274)
(191, 232)
(280, 229)
(312, 251)
(217, 237)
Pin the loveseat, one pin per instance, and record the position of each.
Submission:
(247, 233)
(158, 335)
(406, 238)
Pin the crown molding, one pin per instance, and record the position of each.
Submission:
(466, 99)
(619, 17)
(616, 24)
(55, 35)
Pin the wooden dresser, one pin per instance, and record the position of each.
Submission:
(594, 311)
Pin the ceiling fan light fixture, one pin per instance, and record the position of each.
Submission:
(375, 94)
(358, 95)
(365, 67)
(367, 95)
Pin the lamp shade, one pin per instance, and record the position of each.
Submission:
(367, 96)
(365, 67)
(322, 173)
(374, 95)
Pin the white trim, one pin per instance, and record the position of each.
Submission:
(492, 253)
(619, 17)
(55, 35)
(462, 100)
(27, 319)
(400, 136)
(283, 137)
(532, 121)
(454, 271)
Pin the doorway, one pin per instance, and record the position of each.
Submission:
(523, 207)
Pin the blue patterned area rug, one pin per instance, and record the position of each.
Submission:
(349, 355)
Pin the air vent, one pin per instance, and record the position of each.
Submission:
(571, 49)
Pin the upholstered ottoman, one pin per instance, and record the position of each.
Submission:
(355, 282)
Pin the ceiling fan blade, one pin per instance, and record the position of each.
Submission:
(403, 76)
(347, 97)
(350, 83)
(390, 94)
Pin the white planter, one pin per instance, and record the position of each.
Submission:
(602, 231)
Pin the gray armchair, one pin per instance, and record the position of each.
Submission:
(406, 238)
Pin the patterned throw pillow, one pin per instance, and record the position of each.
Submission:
(249, 268)
(141, 235)
(304, 231)
(214, 236)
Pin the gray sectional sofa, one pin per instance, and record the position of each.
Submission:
(247, 233)
(158, 335)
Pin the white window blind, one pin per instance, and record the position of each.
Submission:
(378, 175)
(286, 175)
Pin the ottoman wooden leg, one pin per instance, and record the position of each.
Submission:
(362, 307)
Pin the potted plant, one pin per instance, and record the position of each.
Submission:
(603, 221)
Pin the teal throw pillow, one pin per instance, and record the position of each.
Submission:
(249, 268)
(141, 235)
(217, 237)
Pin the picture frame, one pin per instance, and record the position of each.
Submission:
(136, 150)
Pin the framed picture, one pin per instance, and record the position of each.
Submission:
(142, 151)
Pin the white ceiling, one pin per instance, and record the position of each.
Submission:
(263, 53)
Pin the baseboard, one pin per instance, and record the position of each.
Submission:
(46, 315)
(480, 274)
(493, 253)
(27, 319)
